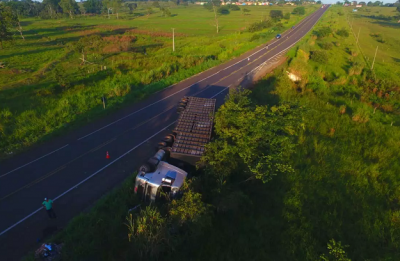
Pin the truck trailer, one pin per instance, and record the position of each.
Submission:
(163, 174)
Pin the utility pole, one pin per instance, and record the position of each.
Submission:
(376, 51)
(173, 39)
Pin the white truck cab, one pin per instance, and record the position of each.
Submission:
(158, 178)
(165, 179)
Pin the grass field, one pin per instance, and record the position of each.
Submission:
(46, 89)
(378, 27)
(344, 183)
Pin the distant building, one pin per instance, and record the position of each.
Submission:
(358, 5)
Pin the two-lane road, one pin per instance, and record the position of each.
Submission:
(73, 169)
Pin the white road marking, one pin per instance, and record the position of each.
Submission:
(95, 173)
(32, 161)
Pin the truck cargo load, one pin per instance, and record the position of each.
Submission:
(162, 175)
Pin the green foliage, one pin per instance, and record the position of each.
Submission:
(322, 32)
(188, 209)
(234, 7)
(326, 45)
(276, 14)
(336, 252)
(245, 11)
(261, 137)
(299, 10)
(7, 21)
(93, 6)
(319, 56)
(286, 16)
(343, 32)
(61, 77)
(149, 232)
(224, 10)
(166, 12)
(258, 26)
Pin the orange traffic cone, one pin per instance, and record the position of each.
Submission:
(107, 156)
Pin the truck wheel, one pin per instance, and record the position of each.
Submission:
(146, 168)
(169, 139)
(182, 104)
(167, 152)
(161, 145)
(180, 109)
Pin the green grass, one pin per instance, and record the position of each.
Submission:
(33, 106)
(344, 185)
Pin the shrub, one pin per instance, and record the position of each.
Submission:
(326, 46)
(276, 14)
(286, 16)
(299, 10)
(255, 37)
(343, 32)
(319, 56)
(258, 26)
(322, 32)
(223, 10)
(234, 7)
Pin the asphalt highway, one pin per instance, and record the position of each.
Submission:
(73, 169)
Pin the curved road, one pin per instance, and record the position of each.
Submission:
(73, 169)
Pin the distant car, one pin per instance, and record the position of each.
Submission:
(292, 27)
(278, 36)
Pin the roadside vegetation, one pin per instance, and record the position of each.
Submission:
(56, 65)
(304, 170)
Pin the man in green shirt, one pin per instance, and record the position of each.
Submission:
(48, 205)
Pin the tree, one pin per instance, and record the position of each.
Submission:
(165, 11)
(108, 5)
(149, 11)
(213, 5)
(287, 16)
(319, 2)
(68, 6)
(116, 5)
(398, 8)
(362, 3)
(156, 4)
(252, 140)
(370, 3)
(131, 6)
(93, 6)
(245, 10)
(82, 9)
(276, 14)
(339, 3)
(52, 7)
(377, 3)
(7, 21)
(299, 10)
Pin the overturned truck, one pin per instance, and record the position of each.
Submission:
(163, 174)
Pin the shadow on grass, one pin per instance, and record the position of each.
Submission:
(397, 60)
(263, 92)
(29, 52)
(388, 24)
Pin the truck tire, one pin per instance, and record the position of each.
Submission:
(180, 109)
(146, 168)
(167, 152)
(161, 145)
(169, 139)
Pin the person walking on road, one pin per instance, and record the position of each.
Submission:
(48, 205)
